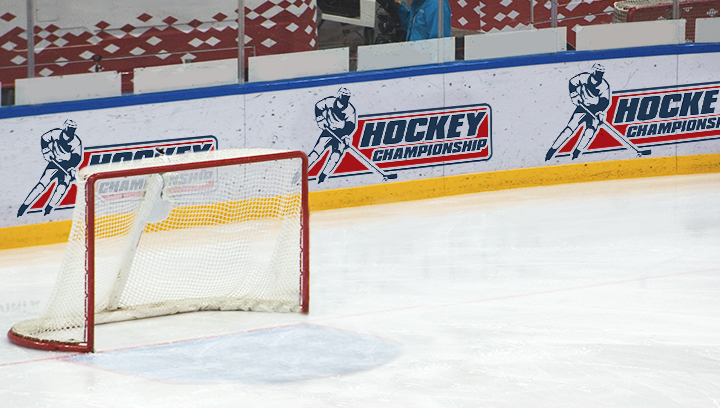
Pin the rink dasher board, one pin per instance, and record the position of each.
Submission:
(527, 106)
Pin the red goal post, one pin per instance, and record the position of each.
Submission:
(219, 230)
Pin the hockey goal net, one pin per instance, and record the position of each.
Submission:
(218, 230)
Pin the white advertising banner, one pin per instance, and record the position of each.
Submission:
(372, 130)
(40, 165)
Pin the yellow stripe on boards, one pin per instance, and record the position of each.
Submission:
(197, 216)
(35, 234)
(254, 209)
(57, 232)
(507, 179)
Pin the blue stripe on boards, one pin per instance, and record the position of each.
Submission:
(355, 77)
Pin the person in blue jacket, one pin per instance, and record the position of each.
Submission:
(420, 21)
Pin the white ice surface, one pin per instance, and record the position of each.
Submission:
(588, 295)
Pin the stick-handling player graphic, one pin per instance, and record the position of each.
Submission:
(591, 94)
(62, 149)
(337, 118)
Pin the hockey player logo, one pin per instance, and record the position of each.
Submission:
(63, 151)
(337, 119)
(590, 93)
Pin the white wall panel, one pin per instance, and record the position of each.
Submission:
(405, 54)
(34, 91)
(707, 30)
(185, 76)
(298, 64)
(515, 43)
(628, 35)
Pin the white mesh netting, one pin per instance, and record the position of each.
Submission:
(218, 238)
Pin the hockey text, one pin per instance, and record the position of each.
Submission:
(668, 116)
(444, 136)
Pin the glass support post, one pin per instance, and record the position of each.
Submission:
(441, 31)
(30, 4)
(532, 13)
(241, 41)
